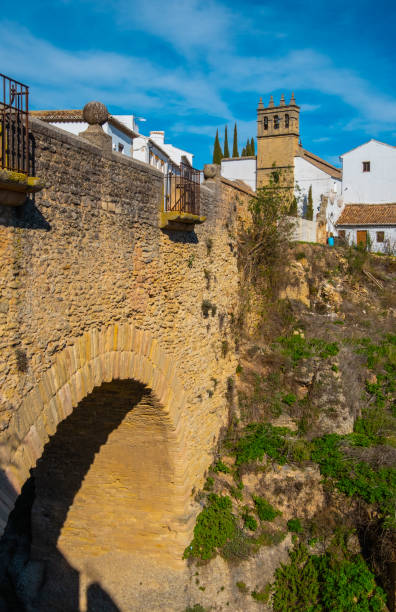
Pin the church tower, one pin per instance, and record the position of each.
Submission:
(278, 134)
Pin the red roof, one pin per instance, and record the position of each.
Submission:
(368, 214)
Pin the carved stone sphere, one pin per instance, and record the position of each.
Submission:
(95, 113)
(211, 171)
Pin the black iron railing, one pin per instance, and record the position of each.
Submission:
(182, 189)
(14, 125)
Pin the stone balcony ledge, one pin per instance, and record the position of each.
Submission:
(181, 221)
(15, 187)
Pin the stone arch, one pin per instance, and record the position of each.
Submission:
(119, 351)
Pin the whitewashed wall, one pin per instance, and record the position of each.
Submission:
(117, 137)
(375, 187)
(240, 168)
(304, 230)
(389, 244)
(305, 175)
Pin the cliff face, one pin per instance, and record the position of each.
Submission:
(308, 462)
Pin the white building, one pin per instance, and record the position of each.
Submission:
(126, 138)
(121, 133)
(310, 171)
(369, 174)
(369, 196)
(240, 169)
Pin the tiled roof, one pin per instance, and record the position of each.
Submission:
(368, 214)
(321, 163)
(68, 116)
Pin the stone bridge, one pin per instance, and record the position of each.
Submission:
(116, 361)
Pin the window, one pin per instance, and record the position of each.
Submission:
(380, 236)
(366, 166)
(341, 234)
(120, 148)
(266, 123)
(287, 120)
(276, 122)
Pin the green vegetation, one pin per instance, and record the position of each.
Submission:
(262, 439)
(294, 525)
(296, 347)
(226, 148)
(356, 477)
(208, 486)
(265, 511)
(242, 586)
(262, 596)
(217, 152)
(221, 467)
(309, 211)
(224, 348)
(235, 143)
(248, 520)
(196, 608)
(326, 583)
(215, 525)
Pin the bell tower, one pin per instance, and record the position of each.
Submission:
(278, 133)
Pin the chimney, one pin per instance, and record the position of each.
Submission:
(158, 137)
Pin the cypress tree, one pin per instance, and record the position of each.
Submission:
(217, 152)
(293, 210)
(226, 149)
(247, 148)
(235, 143)
(252, 147)
(243, 154)
(309, 213)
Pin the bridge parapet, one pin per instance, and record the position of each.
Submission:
(87, 255)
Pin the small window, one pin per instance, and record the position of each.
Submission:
(266, 123)
(276, 122)
(380, 236)
(366, 166)
(287, 120)
(120, 148)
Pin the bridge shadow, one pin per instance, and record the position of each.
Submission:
(34, 574)
(181, 237)
(27, 216)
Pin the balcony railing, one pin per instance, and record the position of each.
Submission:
(14, 125)
(182, 187)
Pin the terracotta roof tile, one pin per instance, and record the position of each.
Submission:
(368, 214)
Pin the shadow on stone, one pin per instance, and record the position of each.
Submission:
(34, 574)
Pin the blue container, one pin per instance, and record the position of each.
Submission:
(330, 240)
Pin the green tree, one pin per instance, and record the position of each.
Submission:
(235, 143)
(293, 210)
(309, 211)
(252, 147)
(243, 154)
(217, 152)
(226, 148)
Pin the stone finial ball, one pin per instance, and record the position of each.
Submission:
(95, 113)
(211, 171)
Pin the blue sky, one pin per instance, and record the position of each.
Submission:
(190, 67)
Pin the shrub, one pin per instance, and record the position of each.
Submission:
(242, 586)
(265, 511)
(221, 467)
(289, 399)
(325, 583)
(263, 595)
(215, 525)
(262, 439)
(294, 525)
(249, 521)
(208, 307)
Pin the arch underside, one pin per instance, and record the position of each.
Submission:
(119, 352)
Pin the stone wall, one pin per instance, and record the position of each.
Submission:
(91, 290)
